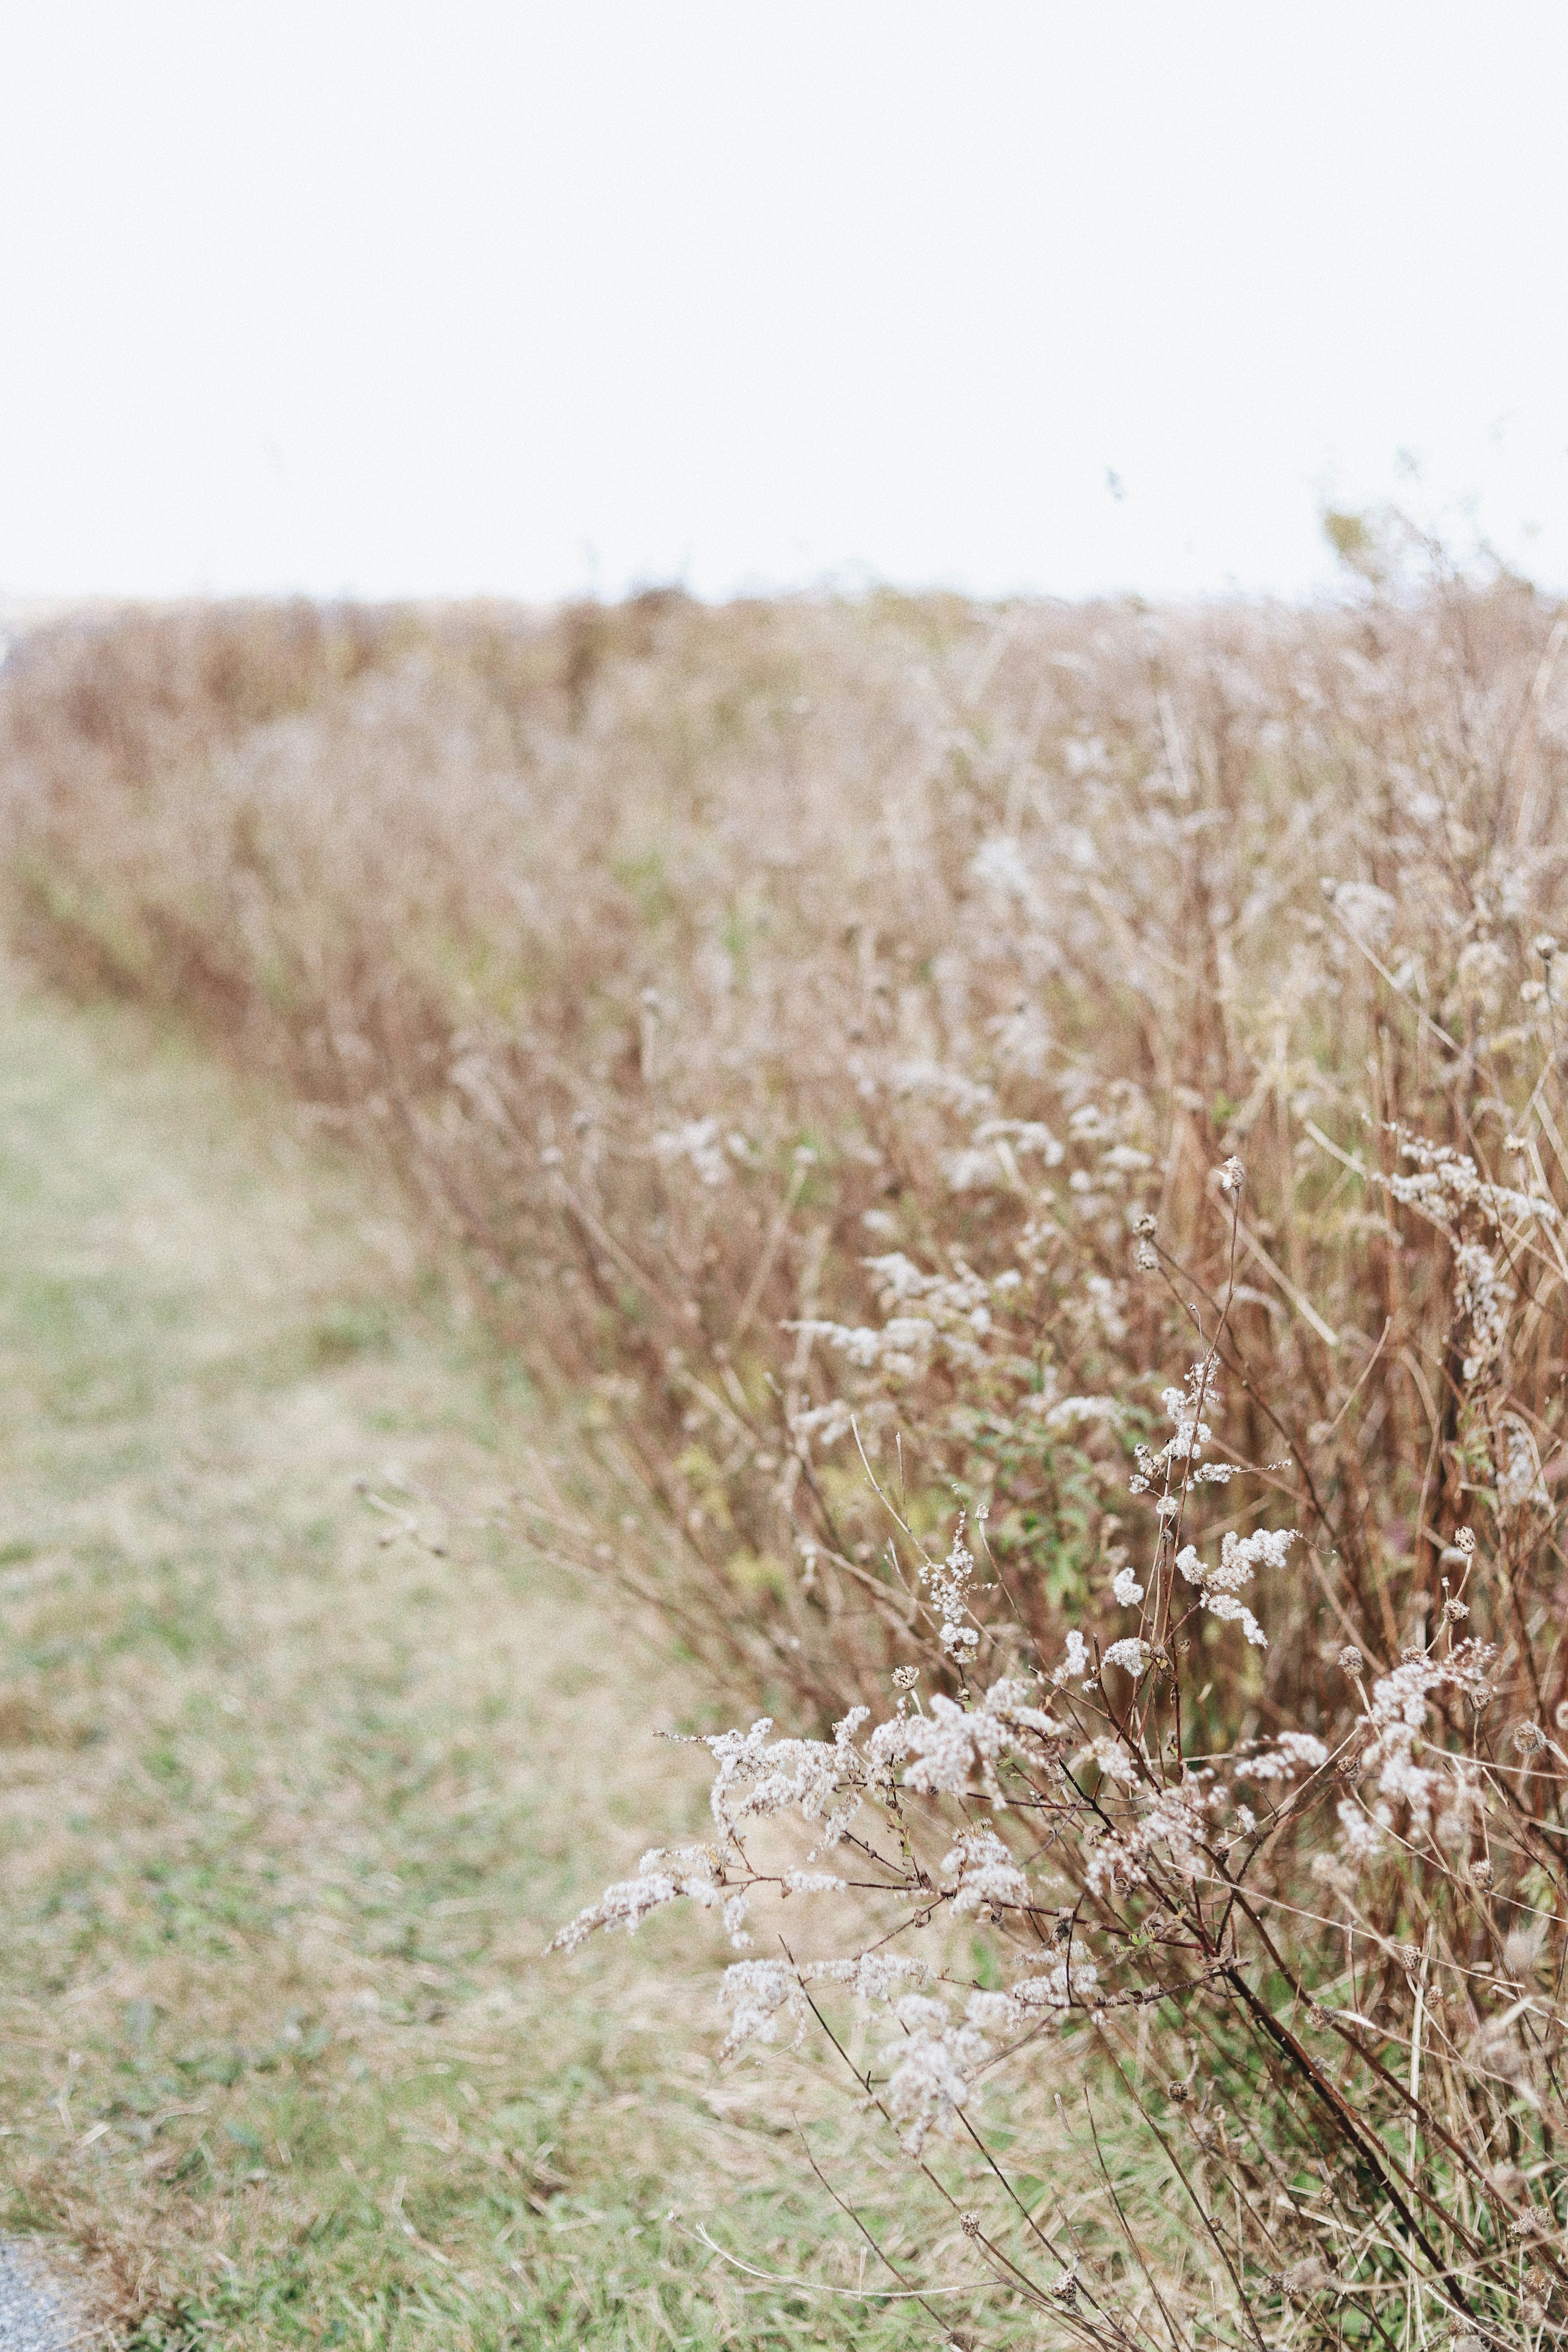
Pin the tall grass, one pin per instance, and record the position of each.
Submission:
(1318, 1959)
(688, 960)
(827, 1027)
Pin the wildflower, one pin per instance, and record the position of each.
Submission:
(1292, 1751)
(1111, 1758)
(1008, 1700)
(1022, 1136)
(935, 2060)
(949, 1585)
(1225, 1605)
(1331, 1872)
(987, 1875)
(1447, 1189)
(874, 1977)
(982, 1168)
(1351, 1662)
(889, 1743)
(662, 1877)
(1173, 1819)
(1127, 1589)
(757, 1777)
(953, 1745)
(950, 1088)
(826, 1422)
(905, 1677)
(1518, 1475)
(1239, 1556)
(1478, 973)
(1067, 1981)
(1481, 1296)
(993, 2012)
(1232, 1175)
(1363, 1832)
(1395, 1717)
(1191, 1434)
(756, 1990)
(1071, 1412)
(897, 1277)
(1132, 1654)
(1076, 1665)
(1528, 1739)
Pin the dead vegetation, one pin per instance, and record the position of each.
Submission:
(686, 961)
(822, 1028)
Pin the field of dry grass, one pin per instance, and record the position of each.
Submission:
(857, 1055)
(687, 962)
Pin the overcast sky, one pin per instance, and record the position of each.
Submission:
(406, 297)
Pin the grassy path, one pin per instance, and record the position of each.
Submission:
(287, 1810)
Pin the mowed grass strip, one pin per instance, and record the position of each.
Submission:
(293, 1788)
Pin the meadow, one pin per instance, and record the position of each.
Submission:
(1009, 1163)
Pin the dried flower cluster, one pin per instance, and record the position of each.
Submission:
(1319, 1913)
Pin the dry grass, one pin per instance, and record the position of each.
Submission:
(685, 961)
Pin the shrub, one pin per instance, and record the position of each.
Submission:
(1310, 1978)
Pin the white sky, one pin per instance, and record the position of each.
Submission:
(443, 296)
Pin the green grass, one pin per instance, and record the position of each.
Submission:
(287, 1810)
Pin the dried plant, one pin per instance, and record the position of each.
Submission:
(756, 990)
(832, 1031)
(1321, 1967)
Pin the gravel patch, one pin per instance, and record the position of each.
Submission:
(37, 2313)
